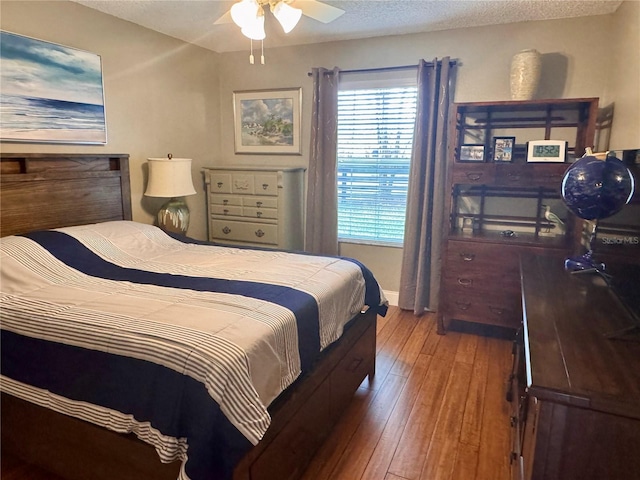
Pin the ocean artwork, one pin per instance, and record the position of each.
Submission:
(50, 93)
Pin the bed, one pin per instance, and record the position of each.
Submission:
(153, 356)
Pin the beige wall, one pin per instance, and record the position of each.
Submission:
(164, 96)
(160, 93)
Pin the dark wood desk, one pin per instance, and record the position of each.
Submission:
(577, 408)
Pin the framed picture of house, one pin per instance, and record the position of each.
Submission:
(503, 149)
(50, 93)
(267, 121)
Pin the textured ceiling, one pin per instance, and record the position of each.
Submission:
(193, 20)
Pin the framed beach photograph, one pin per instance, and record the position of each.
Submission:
(472, 153)
(503, 149)
(50, 93)
(267, 121)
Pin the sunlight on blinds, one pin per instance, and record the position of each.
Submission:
(375, 137)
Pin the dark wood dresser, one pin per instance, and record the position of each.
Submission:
(575, 392)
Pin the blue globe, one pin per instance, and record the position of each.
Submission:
(595, 189)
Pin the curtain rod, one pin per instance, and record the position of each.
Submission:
(383, 69)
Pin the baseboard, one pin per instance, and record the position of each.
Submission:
(392, 297)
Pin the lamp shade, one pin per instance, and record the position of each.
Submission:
(169, 177)
(287, 15)
(244, 12)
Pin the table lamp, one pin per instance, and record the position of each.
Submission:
(171, 178)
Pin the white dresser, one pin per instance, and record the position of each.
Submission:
(256, 206)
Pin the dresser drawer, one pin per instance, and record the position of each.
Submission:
(266, 184)
(531, 175)
(487, 257)
(252, 212)
(226, 210)
(220, 183)
(470, 174)
(482, 282)
(239, 231)
(505, 311)
(260, 202)
(222, 199)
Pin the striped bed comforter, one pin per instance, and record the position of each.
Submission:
(182, 343)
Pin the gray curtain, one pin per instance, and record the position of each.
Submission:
(421, 259)
(321, 236)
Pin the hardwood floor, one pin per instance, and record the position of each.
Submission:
(436, 410)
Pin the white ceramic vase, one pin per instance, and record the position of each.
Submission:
(525, 74)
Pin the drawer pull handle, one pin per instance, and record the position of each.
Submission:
(258, 204)
(465, 282)
(226, 230)
(467, 257)
(258, 214)
(220, 184)
(225, 202)
(474, 177)
(496, 310)
(265, 186)
(259, 233)
(463, 305)
(225, 211)
(514, 177)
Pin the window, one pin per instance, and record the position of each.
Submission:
(375, 137)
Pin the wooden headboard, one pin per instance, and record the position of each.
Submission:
(52, 190)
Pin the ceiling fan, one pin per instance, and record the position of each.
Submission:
(249, 14)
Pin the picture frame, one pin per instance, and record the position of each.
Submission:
(503, 148)
(267, 121)
(546, 151)
(471, 152)
(50, 93)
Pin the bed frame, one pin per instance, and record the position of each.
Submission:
(54, 190)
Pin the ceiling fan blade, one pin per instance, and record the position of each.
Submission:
(318, 10)
(226, 18)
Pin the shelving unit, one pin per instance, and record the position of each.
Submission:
(496, 208)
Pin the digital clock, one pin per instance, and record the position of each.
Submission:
(546, 151)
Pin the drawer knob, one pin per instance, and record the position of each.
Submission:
(258, 214)
(463, 305)
(220, 184)
(259, 233)
(265, 186)
(226, 230)
(467, 257)
(474, 177)
(225, 211)
(465, 282)
(258, 204)
(225, 202)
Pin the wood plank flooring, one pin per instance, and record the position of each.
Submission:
(436, 410)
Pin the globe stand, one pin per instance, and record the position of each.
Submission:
(585, 263)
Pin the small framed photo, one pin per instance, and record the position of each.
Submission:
(546, 151)
(503, 149)
(472, 153)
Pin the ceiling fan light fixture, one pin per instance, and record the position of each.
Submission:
(244, 12)
(254, 29)
(286, 15)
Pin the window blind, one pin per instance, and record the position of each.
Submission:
(375, 137)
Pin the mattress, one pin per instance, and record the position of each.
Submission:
(182, 343)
